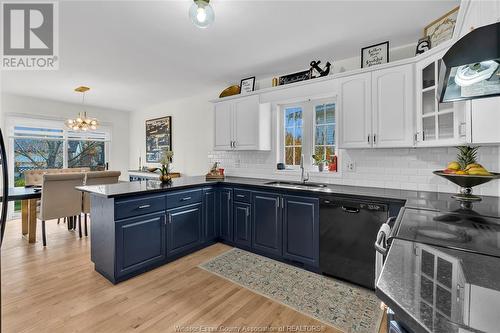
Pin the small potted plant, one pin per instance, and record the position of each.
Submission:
(319, 161)
(165, 161)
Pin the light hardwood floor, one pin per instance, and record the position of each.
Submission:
(55, 289)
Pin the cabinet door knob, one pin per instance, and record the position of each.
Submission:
(374, 138)
(368, 138)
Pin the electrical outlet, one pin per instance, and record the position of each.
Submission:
(351, 166)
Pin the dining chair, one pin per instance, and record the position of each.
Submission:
(96, 178)
(60, 198)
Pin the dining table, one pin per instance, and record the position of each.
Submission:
(28, 197)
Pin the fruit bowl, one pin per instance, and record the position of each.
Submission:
(466, 182)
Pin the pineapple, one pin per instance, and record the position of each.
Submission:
(467, 155)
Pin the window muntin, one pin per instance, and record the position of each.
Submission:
(324, 130)
(293, 130)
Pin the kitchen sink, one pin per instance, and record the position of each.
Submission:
(296, 185)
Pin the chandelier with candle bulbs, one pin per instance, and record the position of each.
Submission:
(82, 122)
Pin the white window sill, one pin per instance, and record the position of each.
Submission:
(314, 173)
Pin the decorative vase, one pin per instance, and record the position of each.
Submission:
(164, 175)
(321, 167)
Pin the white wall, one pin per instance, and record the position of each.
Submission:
(343, 65)
(407, 169)
(117, 120)
(192, 132)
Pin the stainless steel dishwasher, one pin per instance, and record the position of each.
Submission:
(348, 228)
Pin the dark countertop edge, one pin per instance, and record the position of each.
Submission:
(401, 313)
(258, 184)
(365, 192)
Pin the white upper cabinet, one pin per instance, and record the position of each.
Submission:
(485, 120)
(242, 124)
(438, 124)
(478, 13)
(355, 111)
(393, 107)
(223, 126)
(376, 109)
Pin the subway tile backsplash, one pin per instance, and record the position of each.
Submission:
(409, 169)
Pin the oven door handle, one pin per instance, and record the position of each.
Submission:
(382, 236)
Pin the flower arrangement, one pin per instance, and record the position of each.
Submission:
(165, 161)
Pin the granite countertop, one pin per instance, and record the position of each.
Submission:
(489, 206)
(440, 289)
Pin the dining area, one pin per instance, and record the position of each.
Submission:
(49, 196)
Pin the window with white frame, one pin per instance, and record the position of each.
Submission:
(308, 128)
(293, 134)
(44, 144)
(324, 129)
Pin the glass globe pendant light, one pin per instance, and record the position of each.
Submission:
(201, 13)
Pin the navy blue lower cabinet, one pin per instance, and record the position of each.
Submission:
(184, 228)
(267, 223)
(242, 224)
(210, 220)
(301, 229)
(140, 243)
(226, 213)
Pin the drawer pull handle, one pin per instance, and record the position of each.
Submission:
(350, 210)
(144, 206)
(186, 199)
(240, 195)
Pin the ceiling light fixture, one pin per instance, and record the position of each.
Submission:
(82, 122)
(201, 13)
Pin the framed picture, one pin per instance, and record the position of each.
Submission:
(158, 138)
(424, 44)
(247, 85)
(295, 77)
(375, 55)
(441, 30)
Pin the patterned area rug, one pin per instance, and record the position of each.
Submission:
(335, 303)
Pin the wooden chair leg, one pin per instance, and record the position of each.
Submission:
(69, 222)
(85, 222)
(80, 225)
(74, 222)
(44, 236)
(58, 220)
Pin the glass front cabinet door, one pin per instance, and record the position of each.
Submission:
(438, 124)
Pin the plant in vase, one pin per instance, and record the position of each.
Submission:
(319, 161)
(165, 161)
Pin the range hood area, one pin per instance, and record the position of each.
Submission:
(471, 67)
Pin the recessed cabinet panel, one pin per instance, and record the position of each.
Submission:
(355, 111)
(184, 228)
(301, 229)
(485, 119)
(223, 124)
(392, 99)
(140, 242)
(210, 221)
(267, 224)
(226, 213)
(242, 223)
(246, 123)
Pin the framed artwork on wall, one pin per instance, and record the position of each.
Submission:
(375, 55)
(247, 85)
(158, 138)
(442, 29)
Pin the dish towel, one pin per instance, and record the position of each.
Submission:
(382, 235)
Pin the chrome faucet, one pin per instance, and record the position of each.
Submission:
(303, 178)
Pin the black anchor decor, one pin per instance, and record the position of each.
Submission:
(322, 72)
(305, 75)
